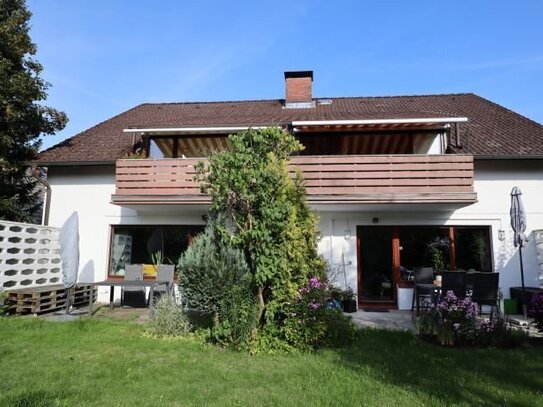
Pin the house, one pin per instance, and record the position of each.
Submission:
(397, 182)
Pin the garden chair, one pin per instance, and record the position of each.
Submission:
(133, 296)
(164, 272)
(486, 291)
(424, 287)
(454, 281)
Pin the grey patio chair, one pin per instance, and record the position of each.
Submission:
(133, 296)
(424, 287)
(486, 291)
(165, 272)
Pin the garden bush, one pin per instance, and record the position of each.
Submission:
(216, 286)
(536, 310)
(457, 322)
(260, 212)
(237, 316)
(208, 270)
(167, 318)
(315, 319)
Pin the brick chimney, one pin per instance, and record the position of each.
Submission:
(298, 89)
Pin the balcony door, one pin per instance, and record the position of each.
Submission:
(376, 263)
(384, 250)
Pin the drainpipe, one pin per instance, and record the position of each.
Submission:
(45, 220)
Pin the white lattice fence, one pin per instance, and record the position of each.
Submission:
(29, 255)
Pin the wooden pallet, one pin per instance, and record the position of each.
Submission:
(39, 300)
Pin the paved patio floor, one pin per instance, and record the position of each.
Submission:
(392, 319)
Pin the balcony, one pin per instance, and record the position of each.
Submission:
(346, 179)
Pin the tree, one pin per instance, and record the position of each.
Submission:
(22, 119)
(265, 214)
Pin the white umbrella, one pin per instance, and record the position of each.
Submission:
(69, 253)
(518, 223)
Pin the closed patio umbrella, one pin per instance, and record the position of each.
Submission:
(518, 223)
(69, 253)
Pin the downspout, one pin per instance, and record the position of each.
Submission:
(45, 220)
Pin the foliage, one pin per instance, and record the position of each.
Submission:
(215, 281)
(265, 215)
(315, 319)
(136, 155)
(22, 119)
(157, 258)
(453, 320)
(208, 270)
(435, 253)
(341, 295)
(3, 306)
(167, 318)
(237, 316)
(456, 322)
(536, 310)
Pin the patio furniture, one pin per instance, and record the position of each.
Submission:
(529, 292)
(454, 281)
(165, 272)
(486, 291)
(133, 295)
(424, 287)
(116, 282)
(469, 281)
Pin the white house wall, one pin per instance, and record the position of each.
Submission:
(493, 183)
(88, 191)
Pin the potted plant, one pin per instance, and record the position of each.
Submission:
(348, 300)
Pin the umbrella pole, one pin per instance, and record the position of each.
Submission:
(524, 305)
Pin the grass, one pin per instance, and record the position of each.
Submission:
(100, 362)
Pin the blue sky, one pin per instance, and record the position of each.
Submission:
(103, 57)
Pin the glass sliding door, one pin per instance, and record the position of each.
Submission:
(425, 246)
(136, 244)
(375, 263)
(388, 254)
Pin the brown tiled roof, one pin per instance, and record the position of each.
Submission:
(492, 130)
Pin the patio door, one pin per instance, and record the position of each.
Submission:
(377, 263)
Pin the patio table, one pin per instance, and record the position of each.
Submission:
(113, 282)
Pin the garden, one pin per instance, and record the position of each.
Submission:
(98, 361)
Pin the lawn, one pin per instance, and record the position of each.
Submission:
(111, 363)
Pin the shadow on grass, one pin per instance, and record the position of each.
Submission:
(463, 376)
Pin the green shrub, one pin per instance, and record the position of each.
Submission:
(315, 319)
(237, 315)
(217, 285)
(208, 270)
(264, 214)
(456, 322)
(167, 318)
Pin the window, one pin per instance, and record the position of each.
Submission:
(136, 244)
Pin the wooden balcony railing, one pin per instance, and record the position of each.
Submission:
(328, 179)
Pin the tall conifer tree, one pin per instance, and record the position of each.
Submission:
(22, 118)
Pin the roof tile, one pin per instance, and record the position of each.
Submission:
(491, 128)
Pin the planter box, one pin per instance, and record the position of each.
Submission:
(510, 307)
(349, 306)
(405, 298)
